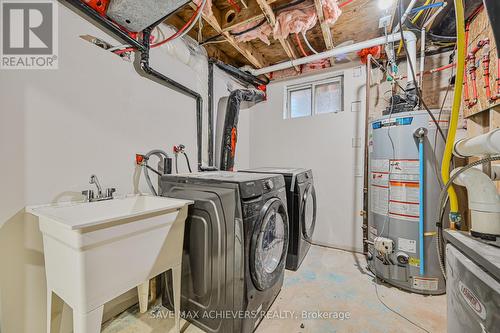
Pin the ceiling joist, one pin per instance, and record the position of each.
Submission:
(325, 29)
(245, 50)
(358, 22)
(271, 19)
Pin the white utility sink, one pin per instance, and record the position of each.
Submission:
(96, 251)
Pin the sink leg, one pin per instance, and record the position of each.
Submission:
(49, 309)
(176, 277)
(143, 291)
(87, 322)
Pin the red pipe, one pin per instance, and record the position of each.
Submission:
(467, 29)
(345, 3)
(234, 5)
(466, 84)
(180, 31)
(472, 72)
(486, 74)
(471, 59)
(439, 69)
(498, 79)
(434, 70)
(304, 53)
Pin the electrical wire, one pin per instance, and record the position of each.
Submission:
(187, 161)
(424, 7)
(377, 283)
(176, 163)
(301, 47)
(179, 34)
(215, 42)
(415, 79)
(234, 5)
(308, 44)
(414, 28)
(435, 133)
(161, 155)
(345, 3)
(436, 171)
(275, 10)
(247, 30)
(213, 38)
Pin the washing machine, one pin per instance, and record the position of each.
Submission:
(301, 200)
(235, 247)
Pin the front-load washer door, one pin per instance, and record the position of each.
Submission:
(269, 244)
(308, 213)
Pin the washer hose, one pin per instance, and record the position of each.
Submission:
(457, 100)
(157, 152)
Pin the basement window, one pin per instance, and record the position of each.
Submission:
(314, 98)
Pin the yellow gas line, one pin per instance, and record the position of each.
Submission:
(455, 110)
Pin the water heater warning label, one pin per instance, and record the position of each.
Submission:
(395, 188)
(407, 245)
(404, 189)
(404, 167)
(379, 186)
(403, 202)
(425, 283)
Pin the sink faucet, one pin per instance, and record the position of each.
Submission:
(94, 180)
(89, 194)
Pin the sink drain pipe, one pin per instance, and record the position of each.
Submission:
(142, 66)
(145, 70)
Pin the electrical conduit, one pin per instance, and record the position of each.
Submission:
(457, 99)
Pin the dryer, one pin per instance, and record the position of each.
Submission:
(235, 247)
(301, 200)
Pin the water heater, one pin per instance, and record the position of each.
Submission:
(404, 155)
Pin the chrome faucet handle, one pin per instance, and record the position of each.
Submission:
(89, 195)
(110, 191)
(94, 180)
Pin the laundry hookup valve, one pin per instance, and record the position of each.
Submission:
(139, 159)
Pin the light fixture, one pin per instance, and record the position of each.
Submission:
(385, 4)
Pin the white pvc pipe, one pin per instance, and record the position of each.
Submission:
(422, 59)
(484, 201)
(495, 172)
(405, 15)
(436, 13)
(409, 37)
(484, 144)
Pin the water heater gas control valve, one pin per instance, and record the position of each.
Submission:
(383, 245)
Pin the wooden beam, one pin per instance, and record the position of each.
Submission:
(325, 29)
(214, 20)
(252, 13)
(271, 19)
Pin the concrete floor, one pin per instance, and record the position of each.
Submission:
(330, 282)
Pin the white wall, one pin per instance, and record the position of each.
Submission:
(57, 127)
(323, 143)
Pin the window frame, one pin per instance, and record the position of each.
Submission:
(290, 90)
(312, 85)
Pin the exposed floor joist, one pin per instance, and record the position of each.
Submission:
(325, 29)
(271, 19)
(214, 20)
